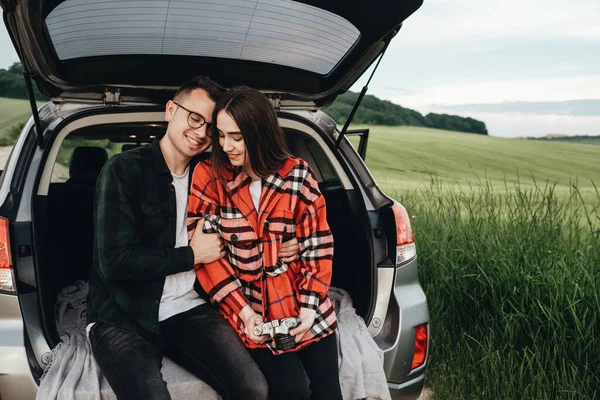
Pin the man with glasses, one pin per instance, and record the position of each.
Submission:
(143, 299)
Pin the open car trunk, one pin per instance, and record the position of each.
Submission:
(63, 219)
(304, 52)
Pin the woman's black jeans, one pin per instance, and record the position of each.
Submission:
(200, 340)
(309, 374)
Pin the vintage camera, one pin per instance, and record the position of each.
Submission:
(279, 330)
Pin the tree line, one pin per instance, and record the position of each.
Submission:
(374, 111)
(12, 83)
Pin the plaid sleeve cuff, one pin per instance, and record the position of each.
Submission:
(309, 300)
(236, 300)
(210, 223)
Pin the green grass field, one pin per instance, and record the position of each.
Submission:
(12, 112)
(508, 238)
(409, 157)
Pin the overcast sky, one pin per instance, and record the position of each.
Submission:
(524, 67)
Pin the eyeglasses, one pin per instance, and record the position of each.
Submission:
(195, 120)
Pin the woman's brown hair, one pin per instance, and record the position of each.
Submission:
(264, 139)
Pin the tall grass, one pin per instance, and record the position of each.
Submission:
(513, 283)
(11, 134)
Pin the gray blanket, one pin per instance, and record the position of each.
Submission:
(360, 359)
(73, 373)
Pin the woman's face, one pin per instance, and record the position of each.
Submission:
(231, 140)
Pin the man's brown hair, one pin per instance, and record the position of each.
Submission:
(211, 87)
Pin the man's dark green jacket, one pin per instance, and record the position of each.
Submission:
(135, 217)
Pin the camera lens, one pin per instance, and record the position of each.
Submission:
(290, 323)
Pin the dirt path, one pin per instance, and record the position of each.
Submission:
(426, 394)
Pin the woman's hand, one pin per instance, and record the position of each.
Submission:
(289, 250)
(307, 318)
(251, 319)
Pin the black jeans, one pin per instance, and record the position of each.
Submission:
(311, 373)
(200, 340)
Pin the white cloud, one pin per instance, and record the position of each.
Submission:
(8, 55)
(576, 108)
(466, 22)
(553, 89)
(511, 125)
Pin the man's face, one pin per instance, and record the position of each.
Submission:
(182, 131)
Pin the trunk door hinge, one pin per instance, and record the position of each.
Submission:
(112, 97)
(276, 101)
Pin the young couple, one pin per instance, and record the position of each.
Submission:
(257, 245)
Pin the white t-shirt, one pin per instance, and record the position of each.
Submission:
(255, 191)
(178, 292)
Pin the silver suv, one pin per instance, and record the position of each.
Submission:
(108, 68)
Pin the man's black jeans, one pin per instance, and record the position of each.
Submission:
(200, 340)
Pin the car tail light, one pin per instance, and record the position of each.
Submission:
(6, 268)
(420, 352)
(405, 239)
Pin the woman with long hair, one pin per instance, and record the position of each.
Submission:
(256, 195)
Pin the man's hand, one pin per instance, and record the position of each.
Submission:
(251, 319)
(307, 318)
(207, 247)
(289, 250)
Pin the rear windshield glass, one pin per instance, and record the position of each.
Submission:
(270, 31)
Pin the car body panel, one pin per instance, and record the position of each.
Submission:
(410, 300)
(16, 381)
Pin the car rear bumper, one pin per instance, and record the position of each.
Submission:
(410, 390)
(406, 310)
(16, 382)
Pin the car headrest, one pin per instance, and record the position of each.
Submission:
(129, 146)
(86, 164)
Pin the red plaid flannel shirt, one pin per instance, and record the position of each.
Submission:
(251, 273)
